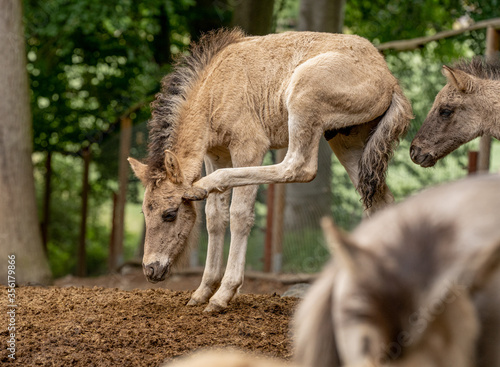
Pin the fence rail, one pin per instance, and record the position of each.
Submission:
(414, 43)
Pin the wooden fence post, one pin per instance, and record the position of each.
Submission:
(116, 246)
(473, 160)
(81, 269)
(273, 246)
(268, 245)
(278, 219)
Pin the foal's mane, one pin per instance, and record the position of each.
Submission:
(480, 68)
(175, 87)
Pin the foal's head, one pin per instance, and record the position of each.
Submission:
(405, 304)
(169, 212)
(456, 117)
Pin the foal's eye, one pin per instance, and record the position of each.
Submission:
(445, 112)
(169, 215)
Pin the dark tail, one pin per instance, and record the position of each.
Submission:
(379, 148)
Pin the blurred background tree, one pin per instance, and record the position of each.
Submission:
(19, 234)
(254, 16)
(90, 63)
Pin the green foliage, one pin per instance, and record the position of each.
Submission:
(90, 61)
(382, 21)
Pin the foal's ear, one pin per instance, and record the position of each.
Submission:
(140, 169)
(340, 245)
(483, 265)
(172, 167)
(459, 79)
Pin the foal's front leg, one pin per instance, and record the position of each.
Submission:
(241, 222)
(299, 165)
(217, 214)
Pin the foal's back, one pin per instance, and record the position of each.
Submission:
(248, 83)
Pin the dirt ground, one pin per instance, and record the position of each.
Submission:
(88, 325)
(133, 278)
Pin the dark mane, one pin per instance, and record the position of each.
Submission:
(480, 68)
(175, 87)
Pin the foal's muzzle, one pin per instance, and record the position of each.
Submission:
(425, 160)
(155, 272)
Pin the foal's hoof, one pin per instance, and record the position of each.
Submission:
(195, 194)
(214, 307)
(193, 302)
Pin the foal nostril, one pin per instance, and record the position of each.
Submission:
(149, 271)
(414, 152)
(155, 272)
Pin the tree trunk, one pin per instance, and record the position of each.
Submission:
(207, 15)
(161, 43)
(307, 203)
(19, 227)
(255, 17)
(322, 15)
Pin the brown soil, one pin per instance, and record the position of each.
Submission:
(82, 326)
(134, 278)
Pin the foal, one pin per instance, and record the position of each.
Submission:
(416, 285)
(467, 107)
(230, 101)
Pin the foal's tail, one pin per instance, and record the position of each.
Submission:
(379, 148)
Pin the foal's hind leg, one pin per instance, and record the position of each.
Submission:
(349, 149)
(217, 214)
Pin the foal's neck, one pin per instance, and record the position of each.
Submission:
(191, 143)
(495, 120)
(489, 103)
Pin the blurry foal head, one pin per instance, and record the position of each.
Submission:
(169, 212)
(406, 305)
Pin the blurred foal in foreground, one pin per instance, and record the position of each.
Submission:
(226, 358)
(416, 285)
